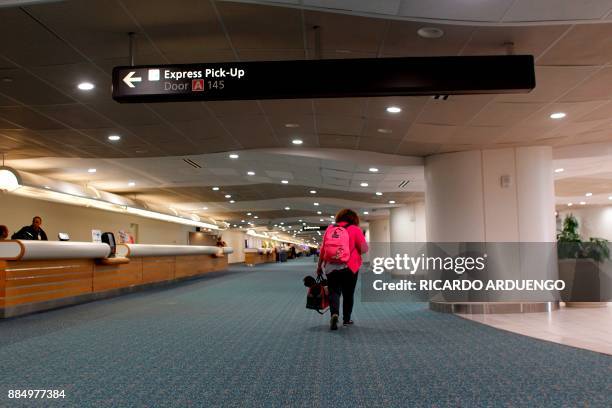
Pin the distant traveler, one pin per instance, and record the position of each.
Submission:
(3, 232)
(340, 259)
(220, 242)
(31, 232)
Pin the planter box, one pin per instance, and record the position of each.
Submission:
(582, 280)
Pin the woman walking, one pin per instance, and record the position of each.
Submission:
(340, 260)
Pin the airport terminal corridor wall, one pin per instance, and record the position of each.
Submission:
(15, 212)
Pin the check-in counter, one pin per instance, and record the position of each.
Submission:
(254, 256)
(41, 275)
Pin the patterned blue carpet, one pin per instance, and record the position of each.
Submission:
(245, 339)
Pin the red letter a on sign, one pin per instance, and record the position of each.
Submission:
(197, 85)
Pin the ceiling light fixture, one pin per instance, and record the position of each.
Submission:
(250, 173)
(588, 194)
(364, 184)
(292, 125)
(313, 191)
(205, 208)
(232, 201)
(215, 189)
(391, 201)
(228, 196)
(297, 141)
(287, 208)
(609, 197)
(285, 181)
(86, 86)
(319, 213)
(131, 184)
(384, 131)
(233, 156)
(114, 138)
(559, 170)
(249, 213)
(378, 193)
(91, 170)
(557, 115)
(430, 32)
(394, 109)
(365, 213)
(373, 170)
(583, 203)
(570, 204)
(315, 204)
(256, 217)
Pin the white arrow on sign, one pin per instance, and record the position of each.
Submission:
(129, 78)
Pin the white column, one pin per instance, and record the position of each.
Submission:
(407, 223)
(502, 195)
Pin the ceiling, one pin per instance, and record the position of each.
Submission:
(50, 127)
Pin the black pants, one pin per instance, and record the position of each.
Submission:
(342, 283)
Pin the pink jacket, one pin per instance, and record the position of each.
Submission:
(357, 244)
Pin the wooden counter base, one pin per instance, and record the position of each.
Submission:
(33, 286)
(254, 258)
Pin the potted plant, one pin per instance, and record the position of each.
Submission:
(579, 265)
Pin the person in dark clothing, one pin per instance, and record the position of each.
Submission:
(31, 232)
(4, 232)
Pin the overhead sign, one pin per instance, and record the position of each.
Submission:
(368, 77)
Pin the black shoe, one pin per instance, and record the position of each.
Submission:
(348, 322)
(333, 324)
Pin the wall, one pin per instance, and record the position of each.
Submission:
(466, 201)
(407, 223)
(593, 221)
(235, 239)
(16, 211)
(378, 239)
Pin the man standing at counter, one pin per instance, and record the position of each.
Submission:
(31, 232)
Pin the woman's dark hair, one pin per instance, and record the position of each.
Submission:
(347, 215)
(3, 230)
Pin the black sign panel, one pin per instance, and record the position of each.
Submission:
(367, 77)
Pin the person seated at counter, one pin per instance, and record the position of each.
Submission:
(220, 242)
(31, 232)
(4, 232)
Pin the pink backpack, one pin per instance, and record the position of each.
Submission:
(336, 245)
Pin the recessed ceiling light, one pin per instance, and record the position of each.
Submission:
(609, 197)
(233, 156)
(248, 213)
(588, 194)
(385, 131)
(215, 188)
(86, 86)
(430, 32)
(242, 221)
(559, 170)
(282, 223)
(570, 204)
(321, 220)
(364, 184)
(297, 141)
(250, 173)
(292, 125)
(391, 201)
(131, 184)
(373, 169)
(232, 201)
(285, 181)
(313, 191)
(394, 109)
(583, 203)
(91, 170)
(228, 196)
(315, 204)
(256, 216)
(378, 193)
(365, 213)
(319, 213)
(299, 220)
(114, 138)
(557, 115)
(205, 208)
(287, 208)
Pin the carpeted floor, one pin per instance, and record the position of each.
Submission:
(245, 339)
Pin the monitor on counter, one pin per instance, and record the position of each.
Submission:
(109, 238)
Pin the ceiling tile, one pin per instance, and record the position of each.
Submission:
(262, 27)
(451, 111)
(402, 40)
(337, 32)
(449, 10)
(28, 118)
(557, 10)
(505, 114)
(338, 142)
(530, 40)
(29, 90)
(430, 133)
(76, 116)
(571, 49)
(340, 125)
(408, 148)
(598, 86)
